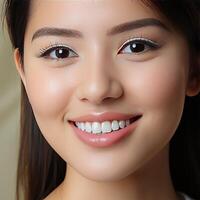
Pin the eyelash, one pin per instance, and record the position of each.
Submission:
(44, 52)
(150, 44)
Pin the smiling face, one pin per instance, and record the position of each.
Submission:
(141, 67)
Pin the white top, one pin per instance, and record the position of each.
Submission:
(186, 197)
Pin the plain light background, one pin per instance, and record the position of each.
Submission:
(9, 117)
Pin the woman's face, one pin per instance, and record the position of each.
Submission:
(100, 73)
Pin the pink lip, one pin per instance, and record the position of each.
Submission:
(107, 116)
(108, 139)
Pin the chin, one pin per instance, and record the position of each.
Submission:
(102, 174)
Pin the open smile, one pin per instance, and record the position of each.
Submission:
(100, 133)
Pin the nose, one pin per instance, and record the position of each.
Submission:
(99, 84)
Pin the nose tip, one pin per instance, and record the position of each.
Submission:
(98, 89)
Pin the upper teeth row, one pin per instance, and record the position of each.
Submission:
(104, 127)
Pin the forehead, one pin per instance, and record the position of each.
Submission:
(81, 13)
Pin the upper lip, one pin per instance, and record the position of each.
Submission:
(106, 116)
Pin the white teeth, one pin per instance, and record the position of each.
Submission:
(115, 125)
(96, 127)
(127, 122)
(122, 124)
(104, 127)
(88, 127)
(82, 126)
(77, 124)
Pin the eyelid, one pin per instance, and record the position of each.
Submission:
(138, 39)
(53, 47)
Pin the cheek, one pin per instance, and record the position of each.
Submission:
(159, 84)
(163, 86)
(158, 88)
(166, 79)
(49, 91)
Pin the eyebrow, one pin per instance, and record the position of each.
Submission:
(127, 26)
(51, 31)
(137, 24)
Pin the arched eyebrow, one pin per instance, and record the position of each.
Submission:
(53, 31)
(127, 26)
(137, 24)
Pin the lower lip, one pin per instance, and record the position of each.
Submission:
(106, 139)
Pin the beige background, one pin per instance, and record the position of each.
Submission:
(9, 118)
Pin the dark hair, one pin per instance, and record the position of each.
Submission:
(41, 169)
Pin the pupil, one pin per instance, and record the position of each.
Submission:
(62, 53)
(137, 47)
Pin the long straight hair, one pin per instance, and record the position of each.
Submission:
(41, 169)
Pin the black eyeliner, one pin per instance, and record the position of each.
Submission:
(46, 50)
(151, 43)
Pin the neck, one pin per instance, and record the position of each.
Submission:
(152, 180)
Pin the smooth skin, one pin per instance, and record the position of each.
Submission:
(102, 75)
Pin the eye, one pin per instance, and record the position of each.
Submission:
(138, 46)
(57, 52)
